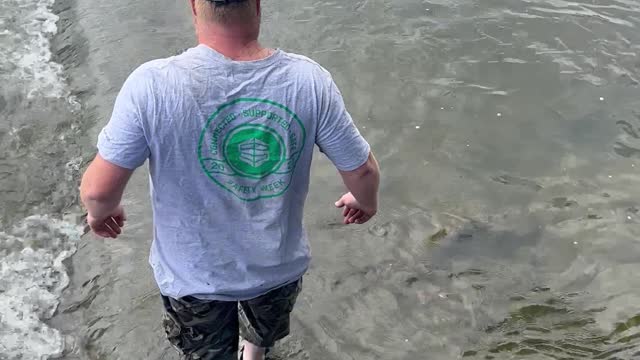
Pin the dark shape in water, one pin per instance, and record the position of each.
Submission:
(622, 327)
(628, 128)
(510, 346)
(562, 202)
(441, 234)
(512, 180)
(576, 323)
(540, 289)
(526, 351)
(469, 272)
(465, 237)
(538, 329)
(412, 280)
(608, 353)
(625, 151)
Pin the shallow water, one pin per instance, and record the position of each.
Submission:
(508, 133)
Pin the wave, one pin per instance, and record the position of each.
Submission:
(32, 278)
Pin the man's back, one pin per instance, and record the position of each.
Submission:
(230, 147)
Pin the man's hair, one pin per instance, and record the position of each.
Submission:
(229, 13)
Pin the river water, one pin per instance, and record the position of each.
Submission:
(508, 132)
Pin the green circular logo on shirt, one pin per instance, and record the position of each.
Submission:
(250, 148)
(254, 151)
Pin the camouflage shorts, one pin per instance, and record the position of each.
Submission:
(209, 330)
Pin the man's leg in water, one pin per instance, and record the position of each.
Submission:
(209, 330)
(201, 329)
(266, 319)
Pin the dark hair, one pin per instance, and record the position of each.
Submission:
(226, 2)
(228, 11)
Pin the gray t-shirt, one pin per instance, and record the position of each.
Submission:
(229, 147)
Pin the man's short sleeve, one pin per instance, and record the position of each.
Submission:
(122, 141)
(337, 135)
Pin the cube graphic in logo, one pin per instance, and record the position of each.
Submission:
(254, 150)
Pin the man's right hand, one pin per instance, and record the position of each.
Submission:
(110, 226)
(362, 184)
(354, 212)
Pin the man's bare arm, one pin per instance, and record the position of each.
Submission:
(101, 192)
(361, 203)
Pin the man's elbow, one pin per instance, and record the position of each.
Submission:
(103, 183)
(368, 169)
(90, 194)
(371, 167)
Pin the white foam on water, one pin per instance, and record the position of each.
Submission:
(25, 55)
(32, 278)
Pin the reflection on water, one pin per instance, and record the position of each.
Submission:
(553, 328)
(628, 144)
(508, 133)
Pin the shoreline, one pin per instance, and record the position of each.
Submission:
(68, 48)
(106, 297)
(45, 157)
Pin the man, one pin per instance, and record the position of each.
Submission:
(229, 129)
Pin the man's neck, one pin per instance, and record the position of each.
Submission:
(234, 45)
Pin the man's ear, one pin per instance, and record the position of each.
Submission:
(194, 10)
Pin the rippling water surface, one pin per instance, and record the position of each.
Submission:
(509, 137)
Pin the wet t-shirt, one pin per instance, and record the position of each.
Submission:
(229, 146)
